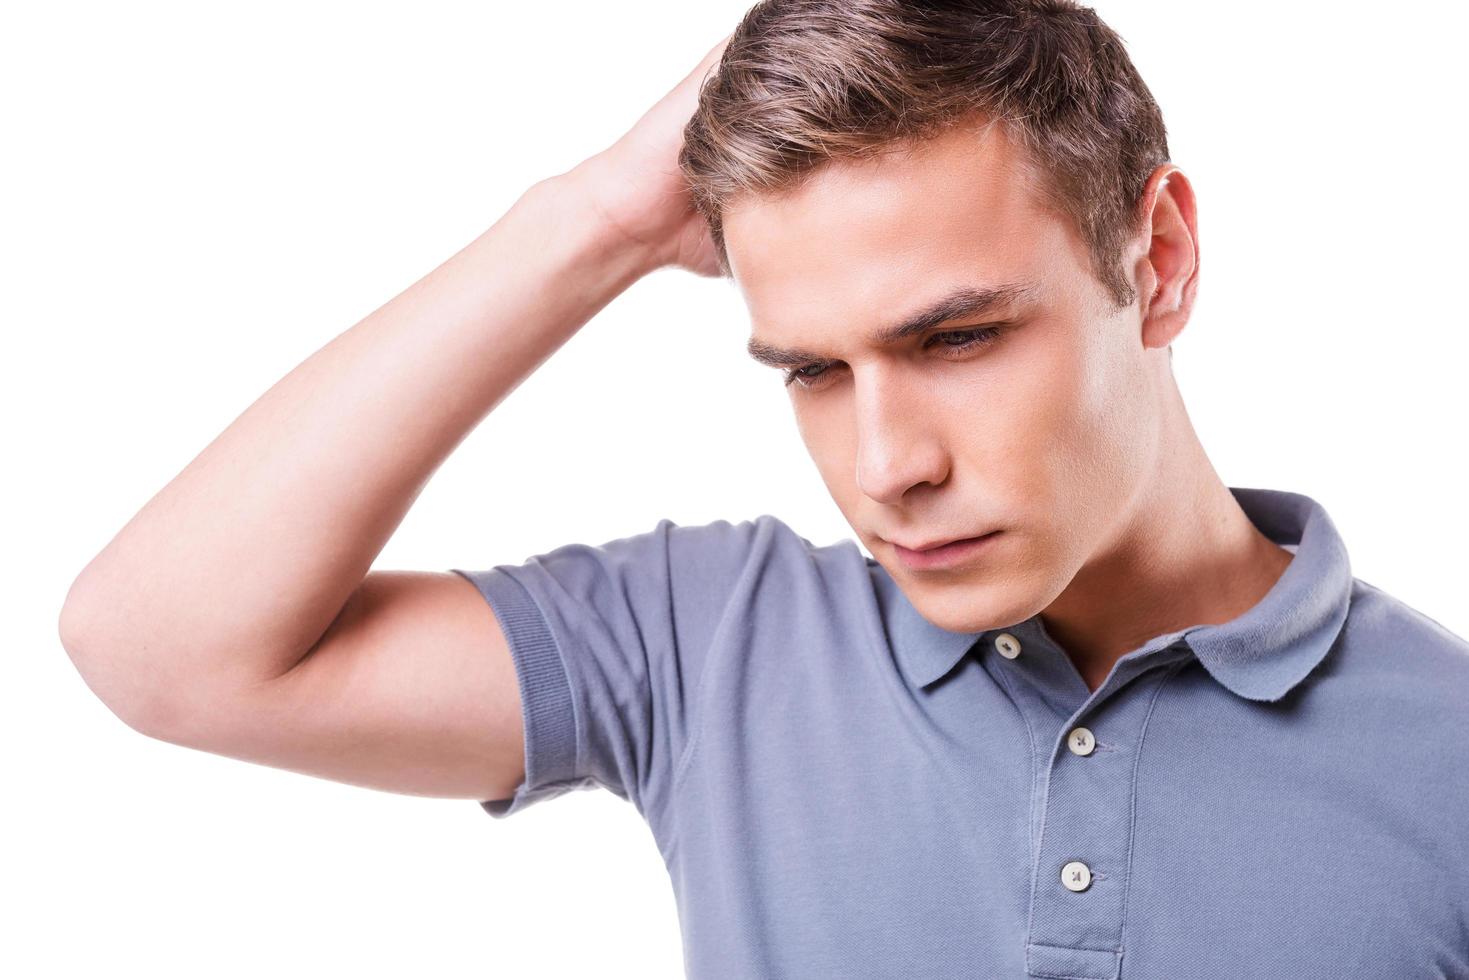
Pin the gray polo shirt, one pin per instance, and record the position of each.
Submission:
(840, 789)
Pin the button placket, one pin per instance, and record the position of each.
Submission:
(1083, 857)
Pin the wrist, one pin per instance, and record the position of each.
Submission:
(586, 226)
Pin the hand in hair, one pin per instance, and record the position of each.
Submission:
(636, 185)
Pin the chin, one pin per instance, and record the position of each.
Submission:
(962, 609)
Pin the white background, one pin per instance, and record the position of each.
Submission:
(198, 196)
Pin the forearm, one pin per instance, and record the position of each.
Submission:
(239, 564)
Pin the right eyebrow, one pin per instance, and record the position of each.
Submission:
(962, 302)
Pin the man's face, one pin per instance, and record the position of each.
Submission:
(1046, 430)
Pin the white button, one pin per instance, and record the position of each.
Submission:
(1080, 741)
(1008, 646)
(1076, 876)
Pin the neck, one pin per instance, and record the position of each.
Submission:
(1183, 554)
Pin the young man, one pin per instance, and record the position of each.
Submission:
(1134, 723)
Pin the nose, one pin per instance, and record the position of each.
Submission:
(899, 444)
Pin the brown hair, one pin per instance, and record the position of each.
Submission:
(805, 81)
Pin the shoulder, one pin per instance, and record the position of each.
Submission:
(758, 558)
(1401, 662)
(757, 583)
(1405, 637)
(764, 539)
(1399, 684)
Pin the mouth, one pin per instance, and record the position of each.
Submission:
(946, 554)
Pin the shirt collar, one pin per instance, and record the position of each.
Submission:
(1260, 654)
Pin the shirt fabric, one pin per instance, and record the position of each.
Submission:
(841, 789)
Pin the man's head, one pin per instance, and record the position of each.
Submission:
(860, 161)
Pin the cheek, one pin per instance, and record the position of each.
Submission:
(828, 441)
(1101, 437)
(1058, 434)
(1029, 418)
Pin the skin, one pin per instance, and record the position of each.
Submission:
(1067, 430)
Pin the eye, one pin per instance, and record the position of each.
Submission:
(951, 341)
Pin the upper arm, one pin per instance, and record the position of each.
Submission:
(579, 667)
(410, 690)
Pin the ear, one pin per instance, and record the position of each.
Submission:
(1168, 268)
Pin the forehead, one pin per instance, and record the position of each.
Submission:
(866, 238)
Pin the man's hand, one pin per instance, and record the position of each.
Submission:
(635, 184)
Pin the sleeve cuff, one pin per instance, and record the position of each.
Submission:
(547, 707)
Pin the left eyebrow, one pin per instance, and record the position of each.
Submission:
(962, 302)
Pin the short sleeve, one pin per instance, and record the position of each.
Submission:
(609, 643)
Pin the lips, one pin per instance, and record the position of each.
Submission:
(949, 555)
(939, 543)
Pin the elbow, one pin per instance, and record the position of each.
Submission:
(74, 626)
(94, 656)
